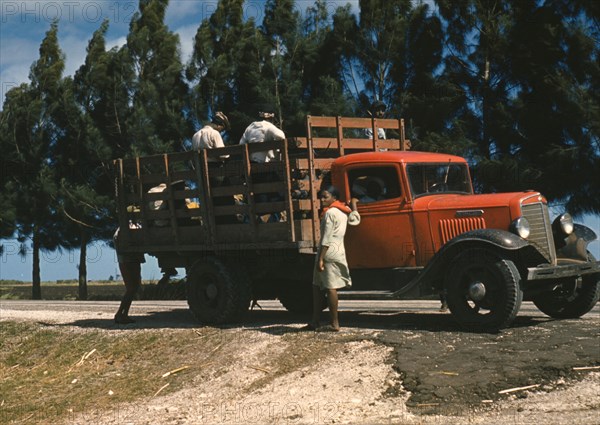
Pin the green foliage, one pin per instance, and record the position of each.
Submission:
(527, 69)
(157, 123)
(30, 130)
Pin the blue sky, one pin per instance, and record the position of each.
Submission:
(23, 25)
(25, 22)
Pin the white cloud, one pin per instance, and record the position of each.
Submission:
(186, 38)
(117, 42)
(75, 51)
(16, 57)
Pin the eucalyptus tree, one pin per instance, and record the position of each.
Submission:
(91, 105)
(371, 44)
(528, 69)
(29, 133)
(298, 74)
(225, 66)
(158, 121)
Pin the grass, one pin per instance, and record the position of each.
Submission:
(46, 377)
(104, 290)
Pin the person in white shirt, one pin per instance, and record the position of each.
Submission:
(262, 131)
(209, 136)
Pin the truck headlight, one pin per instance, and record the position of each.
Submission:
(521, 227)
(564, 223)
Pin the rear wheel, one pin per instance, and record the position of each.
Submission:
(568, 300)
(484, 290)
(217, 292)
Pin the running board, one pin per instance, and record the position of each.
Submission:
(366, 295)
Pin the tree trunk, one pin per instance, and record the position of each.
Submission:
(83, 293)
(36, 288)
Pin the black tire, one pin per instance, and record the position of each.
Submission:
(502, 295)
(296, 297)
(566, 301)
(217, 292)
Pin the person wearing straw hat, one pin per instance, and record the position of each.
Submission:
(209, 136)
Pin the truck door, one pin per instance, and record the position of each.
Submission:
(384, 238)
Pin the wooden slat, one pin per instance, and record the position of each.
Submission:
(183, 175)
(152, 179)
(229, 190)
(162, 239)
(143, 204)
(240, 233)
(198, 166)
(228, 210)
(312, 166)
(171, 201)
(302, 204)
(340, 136)
(176, 194)
(269, 187)
(321, 121)
(319, 163)
(123, 221)
(208, 197)
(348, 143)
(249, 188)
(288, 197)
(363, 123)
(269, 207)
(165, 214)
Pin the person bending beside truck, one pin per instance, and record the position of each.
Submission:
(331, 268)
(130, 266)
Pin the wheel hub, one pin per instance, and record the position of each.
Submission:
(211, 291)
(477, 291)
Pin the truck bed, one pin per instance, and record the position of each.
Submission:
(204, 207)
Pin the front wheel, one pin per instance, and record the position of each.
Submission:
(568, 300)
(217, 292)
(484, 291)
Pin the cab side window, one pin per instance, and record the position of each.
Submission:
(374, 184)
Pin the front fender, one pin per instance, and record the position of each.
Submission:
(574, 246)
(494, 239)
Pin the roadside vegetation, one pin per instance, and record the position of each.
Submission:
(48, 374)
(97, 291)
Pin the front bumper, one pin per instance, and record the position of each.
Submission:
(574, 269)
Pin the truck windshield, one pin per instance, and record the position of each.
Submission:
(427, 179)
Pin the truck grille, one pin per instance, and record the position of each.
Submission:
(541, 229)
(456, 226)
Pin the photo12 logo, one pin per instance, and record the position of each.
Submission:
(66, 11)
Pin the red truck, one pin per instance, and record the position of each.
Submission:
(423, 231)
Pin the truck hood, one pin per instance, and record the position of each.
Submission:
(446, 216)
(447, 201)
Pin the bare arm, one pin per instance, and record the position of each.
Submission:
(322, 258)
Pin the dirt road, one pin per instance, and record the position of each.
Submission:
(394, 362)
